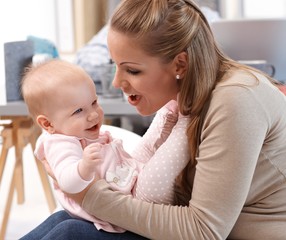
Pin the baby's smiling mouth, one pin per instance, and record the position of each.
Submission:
(93, 128)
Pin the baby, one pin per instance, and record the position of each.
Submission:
(62, 100)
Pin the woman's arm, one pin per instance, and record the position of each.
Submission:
(154, 221)
(231, 142)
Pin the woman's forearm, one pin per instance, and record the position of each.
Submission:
(154, 221)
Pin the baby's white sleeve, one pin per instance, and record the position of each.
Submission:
(63, 155)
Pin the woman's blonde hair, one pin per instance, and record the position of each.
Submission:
(165, 28)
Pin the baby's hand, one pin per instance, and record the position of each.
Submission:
(91, 152)
(89, 162)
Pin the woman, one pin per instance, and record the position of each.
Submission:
(234, 185)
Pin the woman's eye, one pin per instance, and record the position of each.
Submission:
(77, 111)
(133, 72)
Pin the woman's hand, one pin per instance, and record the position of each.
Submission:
(48, 169)
(78, 197)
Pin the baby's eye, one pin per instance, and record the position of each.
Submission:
(77, 111)
(133, 72)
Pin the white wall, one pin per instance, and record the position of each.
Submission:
(20, 18)
(233, 9)
(230, 9)
(264, 9)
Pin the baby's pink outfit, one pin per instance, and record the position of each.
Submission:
(63, 154)
(118, 168)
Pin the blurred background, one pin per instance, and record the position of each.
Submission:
(70, 25)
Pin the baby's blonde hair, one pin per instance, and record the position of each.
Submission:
(41, 81)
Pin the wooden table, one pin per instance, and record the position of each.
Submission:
(110, 106)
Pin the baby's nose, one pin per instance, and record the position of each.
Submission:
(92, 116)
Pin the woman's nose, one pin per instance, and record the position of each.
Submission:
(119, 81)
(116, 80)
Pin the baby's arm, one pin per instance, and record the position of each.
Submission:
(90, 161)
(63, 155)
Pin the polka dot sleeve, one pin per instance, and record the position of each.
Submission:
(156, 180)
(157, 133)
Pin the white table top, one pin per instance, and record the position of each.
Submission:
(111, 107)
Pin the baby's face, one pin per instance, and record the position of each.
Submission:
(77, 112)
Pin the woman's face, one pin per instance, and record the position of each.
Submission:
(148, 83)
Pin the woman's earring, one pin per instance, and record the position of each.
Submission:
(177, 76)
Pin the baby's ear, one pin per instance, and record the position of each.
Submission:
(44, 123)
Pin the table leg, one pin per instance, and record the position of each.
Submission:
(19, 176)
(42, 172)
(7, 143)
(8, 206)
(46, 185)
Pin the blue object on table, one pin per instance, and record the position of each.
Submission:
(44, 46)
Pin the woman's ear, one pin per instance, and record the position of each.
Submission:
(180, 64)
(44, 123)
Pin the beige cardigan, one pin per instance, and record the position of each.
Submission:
(240, 182)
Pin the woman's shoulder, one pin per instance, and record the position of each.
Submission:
(248, 92)
(245, 82)
(240, 77)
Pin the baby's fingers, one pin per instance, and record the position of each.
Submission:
(95, 146)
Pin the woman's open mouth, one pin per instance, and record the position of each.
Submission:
(133, 99)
